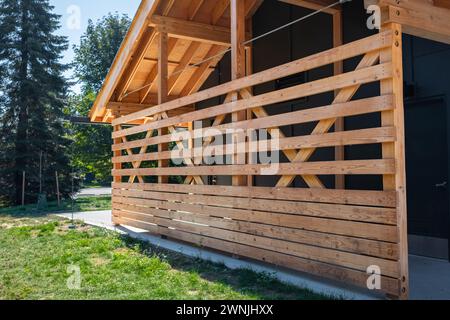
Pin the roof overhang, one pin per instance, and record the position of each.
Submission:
(197, 29)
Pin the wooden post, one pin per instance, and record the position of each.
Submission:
(238, 71)
(396, 150)
(163, 73)
(116, 179)
(249, 115)
(23, 188)
(117, 166)
(57, 189)
(338, 69)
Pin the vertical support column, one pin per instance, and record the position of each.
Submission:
(116, 179)
(249, 115)
(338, 69)
(396, 150)
(238, 71)
(163, 74)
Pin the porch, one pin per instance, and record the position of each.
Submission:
(188, 158)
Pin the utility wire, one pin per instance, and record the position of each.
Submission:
(246, 43)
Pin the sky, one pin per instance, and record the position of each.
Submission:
(76, 14)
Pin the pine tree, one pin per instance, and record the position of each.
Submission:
(32, 100)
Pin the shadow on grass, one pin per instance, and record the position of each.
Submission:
(261, 285)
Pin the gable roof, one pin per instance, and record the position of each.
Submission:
(197, 30)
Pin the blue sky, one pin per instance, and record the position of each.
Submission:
(87, 9)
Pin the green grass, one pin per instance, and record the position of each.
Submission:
(81, 204)
(35, 253)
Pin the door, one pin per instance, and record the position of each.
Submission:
(427, 177)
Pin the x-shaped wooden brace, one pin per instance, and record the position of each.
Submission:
(180, 146)
(260, 112)
(324, 126)
(137, 164)
(217, 122)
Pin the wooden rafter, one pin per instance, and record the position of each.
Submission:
(184, 63)
(148, 39)
(194, 7)
(150, 82)
(219, 10)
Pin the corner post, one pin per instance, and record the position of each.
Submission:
(396, 150)
(116, 178)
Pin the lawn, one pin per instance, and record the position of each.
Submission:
(39, 255)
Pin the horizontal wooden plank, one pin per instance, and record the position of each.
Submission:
(361, 76)
(356, 229)
(330, 271)
(352, 108)
(355, 197)
(353, 167)
(203, 215)
(350, 50)
(349, 260)
(344, 138)
(323, 210)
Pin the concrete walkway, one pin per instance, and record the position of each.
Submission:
(429, 278)
(94, 192)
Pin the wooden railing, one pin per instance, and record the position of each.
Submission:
(337, 234)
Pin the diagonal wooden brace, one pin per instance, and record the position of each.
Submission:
(324, 126)
(260, 112)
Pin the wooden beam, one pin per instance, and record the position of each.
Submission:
(397, 180)
(194, 7)
(147, 40)
(194, 31)
(163, 71)
(338, 69)
(238, 69)
(353, 167)
(184, 63)
(315, 5)
(203, 71)
(417, 17)
(219, 10)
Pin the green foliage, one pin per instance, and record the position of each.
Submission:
(91, 149)
(93, 58)
(97, 50)
(32, 97)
